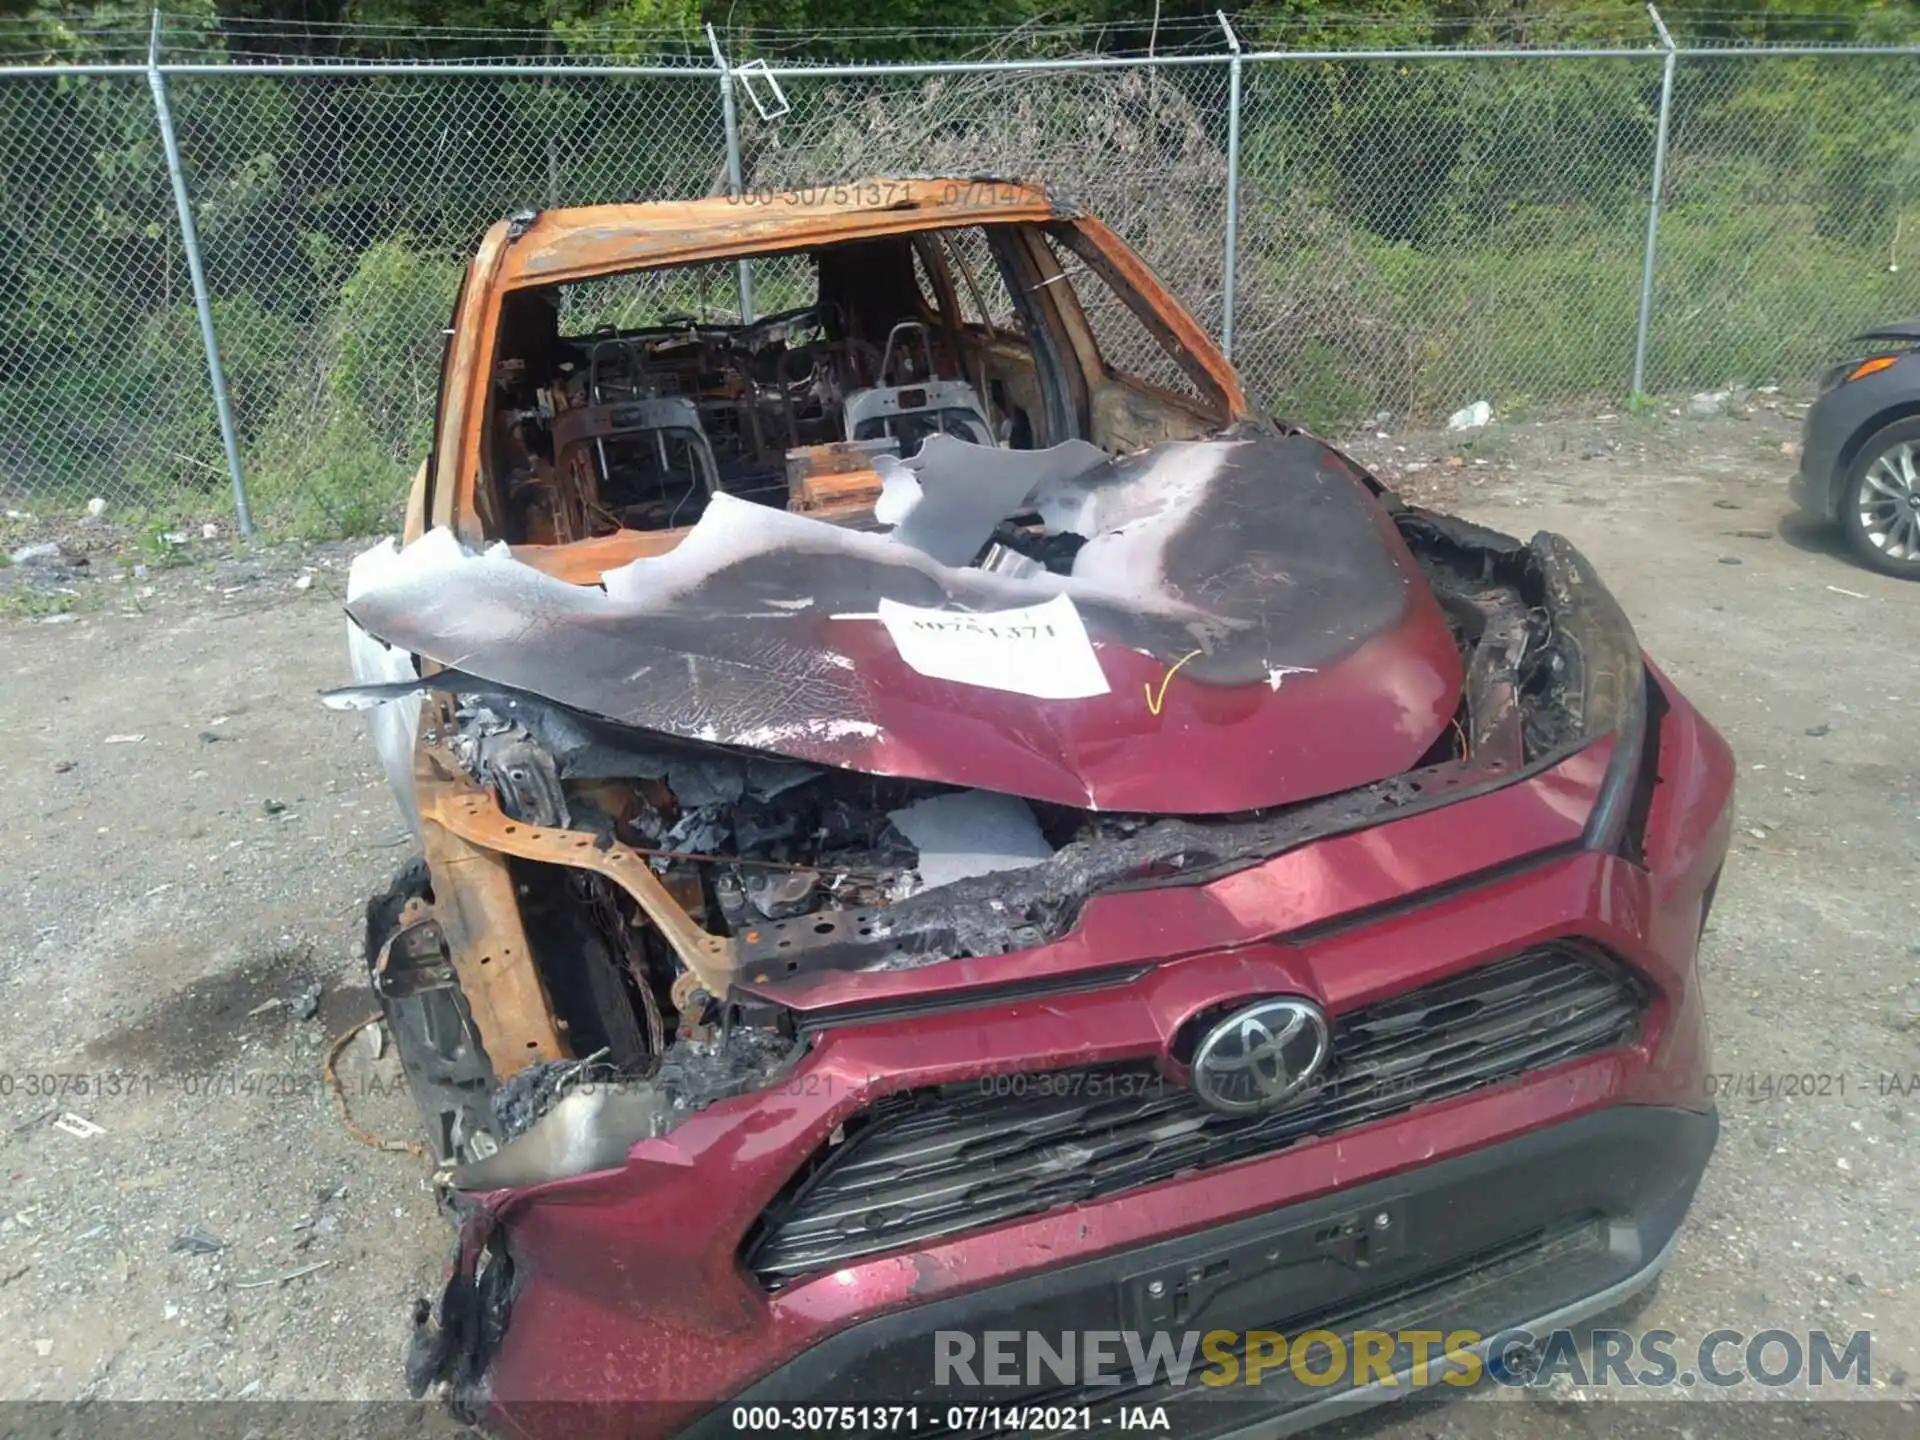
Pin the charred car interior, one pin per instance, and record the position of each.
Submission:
(887, 630)
(626, 402)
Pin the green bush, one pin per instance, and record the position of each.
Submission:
(1544, 306)
(1748, 295)
(389, 329)
(355, 413)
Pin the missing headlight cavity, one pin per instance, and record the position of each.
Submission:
(1553, 655)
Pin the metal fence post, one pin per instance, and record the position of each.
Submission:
(1231, 265)
(1653, 206)
(730, 117)
(190, 242)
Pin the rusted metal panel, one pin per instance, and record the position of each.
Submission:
(475, 903)
(1129, 415)
(469, 812)
(583, 562)
(576, 244)
(830, 479)
(463, 406)
(415, 524)
(843, 492)
(1133, 271)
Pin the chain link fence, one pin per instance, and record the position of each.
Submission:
(1790, 218)
(103, 382)
(1144, 148)
(1415, 230)
(1418, 236)
(335, 214)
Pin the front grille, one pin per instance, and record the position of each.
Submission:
(949, 1158)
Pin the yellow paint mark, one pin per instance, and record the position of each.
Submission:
(1154, 702)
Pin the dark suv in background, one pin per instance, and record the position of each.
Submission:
(1860, 450)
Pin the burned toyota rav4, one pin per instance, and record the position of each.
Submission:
(936, 819)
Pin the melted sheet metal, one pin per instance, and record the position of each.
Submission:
(945, 502)
(972, 832)
(1223, 561)
(591, 1128)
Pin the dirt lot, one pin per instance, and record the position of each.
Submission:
(192, 837)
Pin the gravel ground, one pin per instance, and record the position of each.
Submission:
(192, 839)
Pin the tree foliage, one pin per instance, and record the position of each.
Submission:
(1415, 234)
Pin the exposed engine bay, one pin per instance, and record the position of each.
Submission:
(676, 852)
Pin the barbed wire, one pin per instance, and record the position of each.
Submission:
(202, 39)
(1319, 20)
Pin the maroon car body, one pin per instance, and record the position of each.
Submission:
(749, 1088)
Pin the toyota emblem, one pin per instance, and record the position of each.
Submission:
(1261, 1056)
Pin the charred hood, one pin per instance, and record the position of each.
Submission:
(1205, 627)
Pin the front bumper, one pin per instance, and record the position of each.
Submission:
(628, 1299)
(1540, 1231)
(1814, 485)
(1836, 424)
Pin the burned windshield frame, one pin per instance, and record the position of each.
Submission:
(1073, 239)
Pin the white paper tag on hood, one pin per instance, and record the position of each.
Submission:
(1037, 650)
